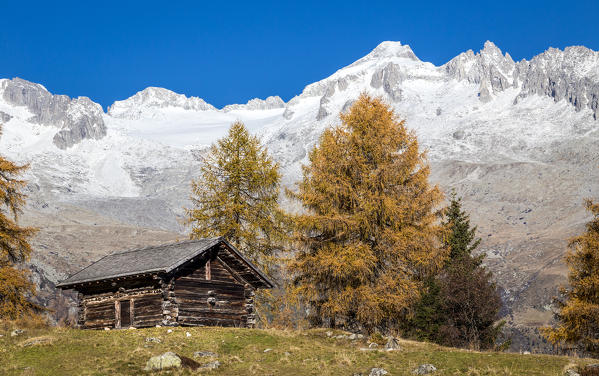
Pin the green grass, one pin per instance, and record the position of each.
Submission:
(241, 352)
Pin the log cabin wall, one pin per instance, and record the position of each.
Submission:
(208, 292)
(200, 282)
(136, 303)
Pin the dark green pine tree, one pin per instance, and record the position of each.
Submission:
(460, 237)
(428, 316)
(460, 305)
(469, 298)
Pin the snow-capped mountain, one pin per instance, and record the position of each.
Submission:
(518, 140)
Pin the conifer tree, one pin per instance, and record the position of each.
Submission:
(470, 299)
(236, 196)
(369, 232)
(15, 287)
(460, 238)
(460, 306)
(578, 315)
(471, 304)
(428, 315)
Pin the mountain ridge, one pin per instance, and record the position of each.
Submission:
(517, 140)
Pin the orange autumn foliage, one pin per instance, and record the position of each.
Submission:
(370, 229)
(15, 287)
(578, 315)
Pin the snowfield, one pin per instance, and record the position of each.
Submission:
(157, 128)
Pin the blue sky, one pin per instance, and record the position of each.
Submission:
(230, 52)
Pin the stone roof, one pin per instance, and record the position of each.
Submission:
(155, 259)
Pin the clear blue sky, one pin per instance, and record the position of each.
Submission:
(229, 52)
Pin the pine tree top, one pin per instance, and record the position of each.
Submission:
(460, 237)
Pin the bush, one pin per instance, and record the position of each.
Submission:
(590, 370)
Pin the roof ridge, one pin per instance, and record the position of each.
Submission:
(159, 258)
(182, 260)
(159, 246)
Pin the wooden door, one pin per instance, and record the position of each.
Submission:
(125, 313)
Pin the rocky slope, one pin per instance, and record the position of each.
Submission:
(518, 140)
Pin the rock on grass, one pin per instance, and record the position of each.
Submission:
(44, 340)
(378, 372)
(424, 369)
(201, 354)
(164, 361)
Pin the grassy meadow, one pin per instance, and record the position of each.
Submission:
(60, 351)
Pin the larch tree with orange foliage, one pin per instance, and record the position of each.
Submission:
(237, 196)
(15, 287)
(370, 230)
(578, 313)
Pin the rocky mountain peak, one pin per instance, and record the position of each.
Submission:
(490, 48)
(269, 103)
(387, 50)
(77, 119)
(489, 68)
(492, 55)
(155, 97)
(579, 60)
(476, 67)
(571, 74)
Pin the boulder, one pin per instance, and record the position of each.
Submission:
(164, 361)
(202, 354)
(153, 339)
(16, 332)
(459, 134)
(378, 372)
(424, 369)
(38, 341)
(392, 344)
(211, 365)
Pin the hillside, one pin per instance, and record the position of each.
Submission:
(245, 352)
(518, 140)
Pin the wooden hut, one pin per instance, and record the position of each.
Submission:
(196, 282)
